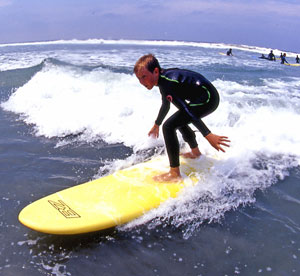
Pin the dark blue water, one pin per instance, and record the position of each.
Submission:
(242, 220)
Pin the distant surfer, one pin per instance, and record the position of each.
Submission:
(263, 56)
(297, 59)
(193, 95)
(229, 52)
(283, 59)
(271, 56)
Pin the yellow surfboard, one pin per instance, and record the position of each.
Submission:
(109, 201)
(292, 64)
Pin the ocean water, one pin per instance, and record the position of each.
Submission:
(72, 111)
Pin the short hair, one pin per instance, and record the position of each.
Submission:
(149, 61)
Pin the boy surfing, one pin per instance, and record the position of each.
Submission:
(194, 96)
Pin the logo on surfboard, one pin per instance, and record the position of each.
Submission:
(64, 209)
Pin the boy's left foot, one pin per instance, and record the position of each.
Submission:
(193, 154)
(190, 155)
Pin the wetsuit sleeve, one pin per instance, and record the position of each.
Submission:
(202, 127)
(163, 111)
(197, 122)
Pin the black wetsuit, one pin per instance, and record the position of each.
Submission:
(271, 56)
(229, 52)
(195, 97)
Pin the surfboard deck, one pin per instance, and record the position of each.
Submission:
(108, 201)
(292, 64)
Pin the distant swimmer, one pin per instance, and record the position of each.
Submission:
(283, 59)
(297, 59)
(271, 56)
(229, 52)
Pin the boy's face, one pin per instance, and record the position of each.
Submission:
(147, 78)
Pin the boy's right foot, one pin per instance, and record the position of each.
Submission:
(172, 176)
(167, 177)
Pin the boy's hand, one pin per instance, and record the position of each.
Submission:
(216, 141)
(154, 132)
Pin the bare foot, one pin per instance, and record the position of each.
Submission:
(190, 155)
(172, 176)
(193, 154)
(167, 177)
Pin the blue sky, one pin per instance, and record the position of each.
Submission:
(266, 23)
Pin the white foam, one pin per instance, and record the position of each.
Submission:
(247, 48)
(60, 101)
(10, 61)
